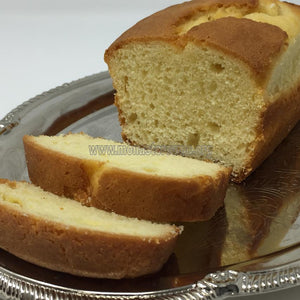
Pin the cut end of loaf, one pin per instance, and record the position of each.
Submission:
(200, 82)
(166, 97)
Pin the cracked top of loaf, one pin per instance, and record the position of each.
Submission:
(254, 31)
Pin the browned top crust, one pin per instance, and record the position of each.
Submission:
(163, 24)
(255, 43)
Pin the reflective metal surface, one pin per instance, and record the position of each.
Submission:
(256, 235)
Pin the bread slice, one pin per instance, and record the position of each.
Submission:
(218, 73)
(62, 235)
(126, 180)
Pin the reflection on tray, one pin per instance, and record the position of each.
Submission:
(261, 213)
(260, 216)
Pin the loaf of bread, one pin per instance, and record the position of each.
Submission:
(218, 73)
(62, 235)
(126, 180)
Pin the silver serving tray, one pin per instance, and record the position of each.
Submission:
(250, 246)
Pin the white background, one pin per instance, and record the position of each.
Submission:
(46, 43)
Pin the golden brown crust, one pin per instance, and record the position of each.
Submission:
(163, 24)
(124, 192)
(59, 173)
(277, 120)
(11, 184)
(254, 43)
(160, 199)
(79, 251)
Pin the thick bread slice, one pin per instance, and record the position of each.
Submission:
(211, 72)
(62, 235)
(126, 180)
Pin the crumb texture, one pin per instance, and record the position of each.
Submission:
(29, 199)
(62, 235)
(208, 79)
(125, 157)
(127, 180)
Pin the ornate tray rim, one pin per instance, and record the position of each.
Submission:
(217, 285)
